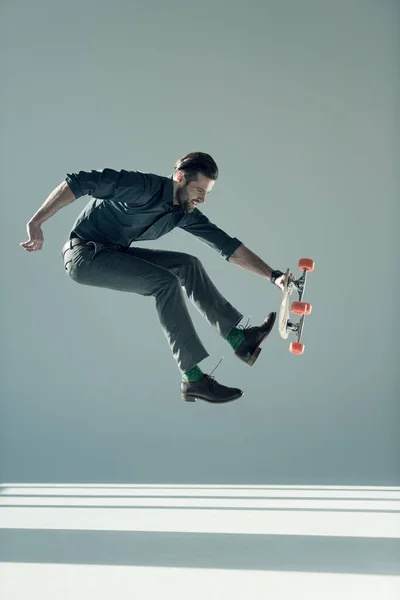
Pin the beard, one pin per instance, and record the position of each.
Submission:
(184, 201)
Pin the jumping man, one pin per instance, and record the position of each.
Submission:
(131, 206)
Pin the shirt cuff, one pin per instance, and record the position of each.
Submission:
(76, 189)
(231, 248)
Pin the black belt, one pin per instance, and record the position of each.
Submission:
(78, 242)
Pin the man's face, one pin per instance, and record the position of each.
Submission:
(189, 195)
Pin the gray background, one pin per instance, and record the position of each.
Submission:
(298, 101)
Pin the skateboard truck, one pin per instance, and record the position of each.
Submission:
(298, 308)
(292, 326)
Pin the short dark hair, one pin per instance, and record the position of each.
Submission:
(197, 162)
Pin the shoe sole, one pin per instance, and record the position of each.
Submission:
(255, 354)
(188, 398)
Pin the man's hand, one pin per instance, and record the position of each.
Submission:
(61, 196)
(279, 280)
(35, 241)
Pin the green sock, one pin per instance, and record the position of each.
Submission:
(194, 374)
(235, 337)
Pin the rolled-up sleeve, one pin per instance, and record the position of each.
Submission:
(106, 184)
(200, 226)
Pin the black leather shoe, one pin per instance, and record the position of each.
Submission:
(208, 390)
(249, 349)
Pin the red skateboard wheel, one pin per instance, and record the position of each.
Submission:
(301, 308)
(306, 264)
(296, 348)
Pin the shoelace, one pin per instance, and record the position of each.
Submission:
(245, 326)
(213, 382)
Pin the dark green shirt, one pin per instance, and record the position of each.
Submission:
(130, 206)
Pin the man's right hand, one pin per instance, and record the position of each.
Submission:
(35, 241)
(280, 279)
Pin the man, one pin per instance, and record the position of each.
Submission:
(129, 206)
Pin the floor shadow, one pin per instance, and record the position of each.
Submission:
(374, 556)
(169, 493)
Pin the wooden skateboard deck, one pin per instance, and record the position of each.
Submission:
(288, 288)
(299, 308)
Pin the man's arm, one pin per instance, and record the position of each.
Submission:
(245, 258)
(199, 225)
(232, 249)
(110, 184)
(59, 197)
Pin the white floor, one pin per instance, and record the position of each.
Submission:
(209, 542)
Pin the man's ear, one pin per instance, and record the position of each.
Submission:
(179, 176)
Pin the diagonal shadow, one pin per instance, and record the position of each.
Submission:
(194, 498)
(315, 554)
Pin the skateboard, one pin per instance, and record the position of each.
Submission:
(298, 308)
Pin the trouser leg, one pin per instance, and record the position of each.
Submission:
(124, 271)
(199, 287)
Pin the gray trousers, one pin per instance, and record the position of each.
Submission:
(165, 276)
